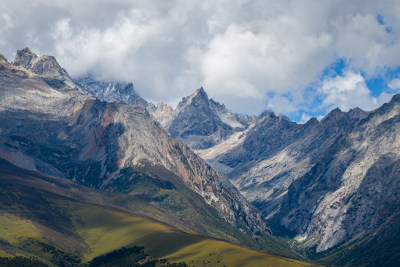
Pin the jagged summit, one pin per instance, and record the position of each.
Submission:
(198, 97)
(3, 58)
(201, 91)
(111, 91)
(41, 65)
(266, 113)
(334, 115)
(25, 58)
(311, 122)
(201, 122)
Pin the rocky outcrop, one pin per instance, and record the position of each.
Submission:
(162, 113)
(201, 122)
(197, 121)
(46, 66)
(112, 91)
(327, 182)
(353, 188)
(59, 129)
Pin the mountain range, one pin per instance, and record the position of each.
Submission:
(326, 191)
(320, 183)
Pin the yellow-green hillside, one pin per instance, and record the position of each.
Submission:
(104, 230)
(53, 221)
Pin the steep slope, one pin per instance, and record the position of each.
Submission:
(354, 188)
(112, 91)
(333, 184)
(277, 151)
(199, 122)
(63, 224)
(50, 124)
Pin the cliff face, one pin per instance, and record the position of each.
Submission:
(353, 189)
(325, 182)
(49, 123)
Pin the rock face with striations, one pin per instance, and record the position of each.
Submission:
(49, 123)
(328, 183)
(353, 188)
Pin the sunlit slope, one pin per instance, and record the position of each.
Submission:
(40, 218)
(105, 230)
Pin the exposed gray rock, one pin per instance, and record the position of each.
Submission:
(44, 65)
(112, 91)
(61, 130)
(162, 113)
(327, 182)
(345, 194)
(201, 122)
(197, 121)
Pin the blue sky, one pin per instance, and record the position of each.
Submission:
(300, 58)
(379, 85)
(376, 85)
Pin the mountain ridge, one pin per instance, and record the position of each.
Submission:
(71, 134)
(329, 188)
(275, 163)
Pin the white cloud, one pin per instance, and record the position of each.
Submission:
(349, 91)
(304, 118)
(240, 51)
(394, 84)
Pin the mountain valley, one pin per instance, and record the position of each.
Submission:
(314, 182)
(89, 168)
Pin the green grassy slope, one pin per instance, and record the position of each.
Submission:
(60, 223)
(161, 188)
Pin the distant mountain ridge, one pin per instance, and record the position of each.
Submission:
(112, 91)
(197, 121)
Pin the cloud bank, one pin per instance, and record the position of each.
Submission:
(251, 55)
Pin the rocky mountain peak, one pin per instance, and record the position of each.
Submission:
(311, 122)
(44, 65)
(111, 91)
(3, 58)
(24, 57)
(357, 113)
(201, 122)
(200, 92)
(162, 113)
(198, 97)
(395, 99)
(250, 119)
(333, 116)
(267, 112)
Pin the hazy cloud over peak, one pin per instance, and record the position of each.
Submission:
(251, 55)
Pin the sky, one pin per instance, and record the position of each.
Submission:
(298, 58)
